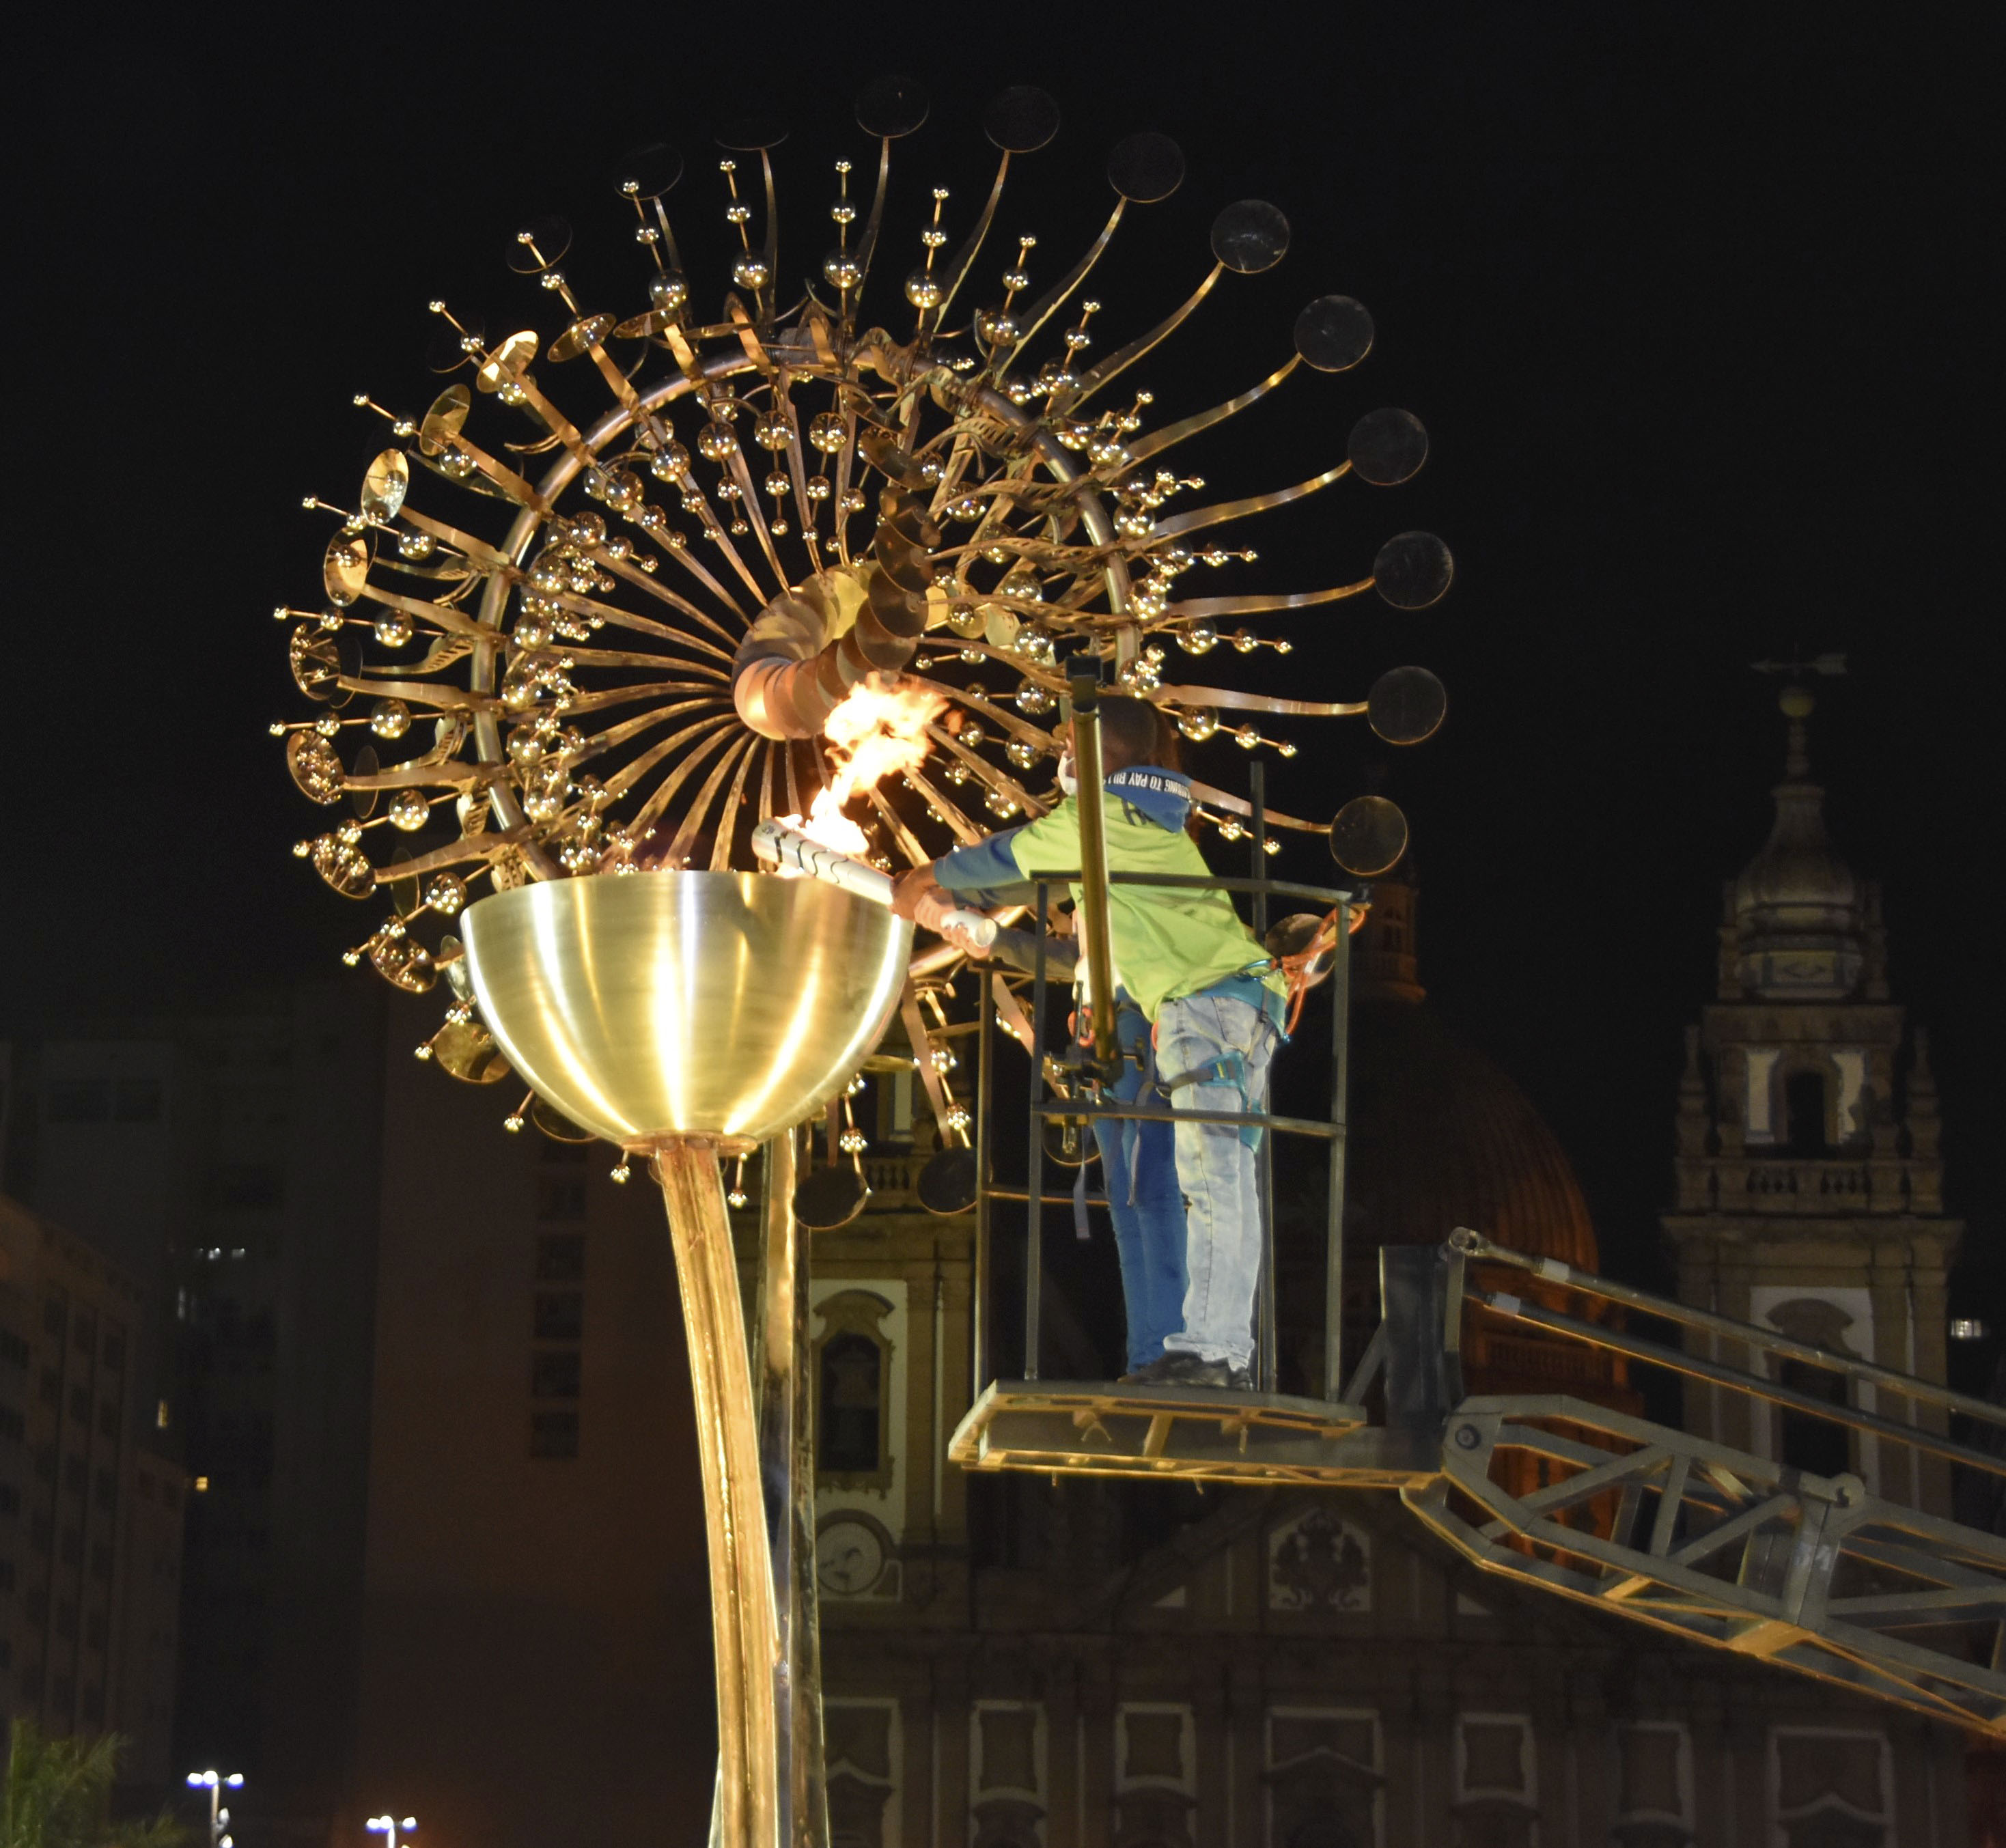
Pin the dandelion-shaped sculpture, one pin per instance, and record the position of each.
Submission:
(655, 571)
(681, 543)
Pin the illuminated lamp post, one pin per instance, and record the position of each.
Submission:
(216, 1782)
(387, 1826)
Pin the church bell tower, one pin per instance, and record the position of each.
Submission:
(1810, 1186)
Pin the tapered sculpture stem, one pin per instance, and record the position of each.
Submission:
(751, 1663)
(786, 1457)
(687, 1014)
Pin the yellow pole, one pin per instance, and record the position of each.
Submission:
(1093, 869)
(744, 1624)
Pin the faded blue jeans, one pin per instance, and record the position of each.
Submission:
(1148, 1229)
(1217, 1168)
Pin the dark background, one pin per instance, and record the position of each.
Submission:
(1698, 304)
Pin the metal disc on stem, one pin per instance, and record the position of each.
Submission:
(1387, 447)
(1368, 836)
(1020, 121)
(892, 107)
(829, 1197)
(1146, 167)
(946, 1185)
(1333, 333)
(1249, 237)
(1406, 706)
(1413, 570)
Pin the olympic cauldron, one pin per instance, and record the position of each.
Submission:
(684, 1016)
(660, 1007)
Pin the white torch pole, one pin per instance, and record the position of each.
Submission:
(777, 843)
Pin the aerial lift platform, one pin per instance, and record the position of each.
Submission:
(1648, 1522)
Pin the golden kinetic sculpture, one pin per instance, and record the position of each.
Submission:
(656, 571)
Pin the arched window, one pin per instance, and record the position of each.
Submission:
(1325, 1832)
(1808, 1442)
(857, 1385)
(1804, 1114)
(1805, 1441)
(852, 1386)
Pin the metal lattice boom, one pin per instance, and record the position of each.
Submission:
(1817, 1573)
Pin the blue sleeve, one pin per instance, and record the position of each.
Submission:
(1020, 949)
(990, 897)
(984, 866)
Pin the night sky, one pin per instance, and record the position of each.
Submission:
(1698, 305)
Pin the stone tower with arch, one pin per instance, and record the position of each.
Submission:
(1810, 1184)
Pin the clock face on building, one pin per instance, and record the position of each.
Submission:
(849, 1558)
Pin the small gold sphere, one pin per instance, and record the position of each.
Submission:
(409, 811)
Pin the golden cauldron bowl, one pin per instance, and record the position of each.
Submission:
(651, 1007)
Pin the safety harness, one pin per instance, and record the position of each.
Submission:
(1296, 969)
(1230, 1067)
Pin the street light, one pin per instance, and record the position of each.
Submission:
(216, 1782)
(389, 1826)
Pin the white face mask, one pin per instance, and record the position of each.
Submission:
(1068, 775)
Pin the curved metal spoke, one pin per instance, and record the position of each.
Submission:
(728, 827)
(630, 774)
(1201, 517)
(1197, 607)
(1050, 303)
(641, 724)
(1140, 450)
(739, 752)
(1262, 702)
(1116, 364)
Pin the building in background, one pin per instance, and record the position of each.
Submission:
(91, 1500)
(1810, 1183)
(536, 1637)
(227, 1163)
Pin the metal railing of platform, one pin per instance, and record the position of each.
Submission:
(1087, 1067)
(1042, 1108)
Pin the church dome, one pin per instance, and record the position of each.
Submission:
(1440, 1137)
(1798, 913)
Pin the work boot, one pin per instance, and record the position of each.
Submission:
(1178, 1368)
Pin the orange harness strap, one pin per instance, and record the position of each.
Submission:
(1296, 970)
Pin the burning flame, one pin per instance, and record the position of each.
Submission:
(880, 729)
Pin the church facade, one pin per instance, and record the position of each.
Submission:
(1011, 1662)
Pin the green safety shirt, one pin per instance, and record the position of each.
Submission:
(1169, 941)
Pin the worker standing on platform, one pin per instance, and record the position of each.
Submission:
(1213, 995)
(1139, 1160)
